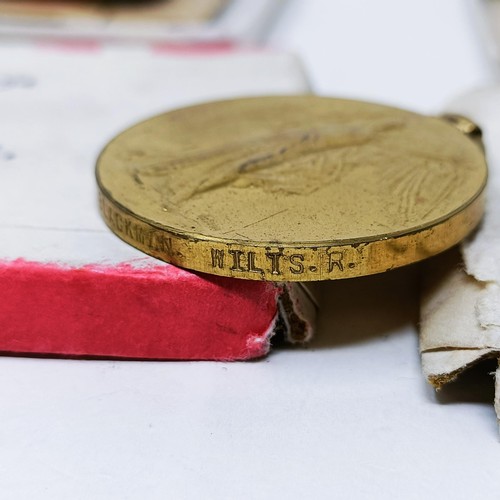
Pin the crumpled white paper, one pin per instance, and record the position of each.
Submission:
(460, 310)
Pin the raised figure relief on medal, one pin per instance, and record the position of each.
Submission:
(271, 163)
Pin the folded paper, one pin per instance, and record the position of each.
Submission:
(460, 313)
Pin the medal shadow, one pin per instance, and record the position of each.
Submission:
(383, 306)
(358, 310)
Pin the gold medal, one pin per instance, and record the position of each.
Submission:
(293, 188)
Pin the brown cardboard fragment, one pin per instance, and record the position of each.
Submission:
(298, 309)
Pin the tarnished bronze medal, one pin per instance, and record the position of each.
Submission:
(293, 188)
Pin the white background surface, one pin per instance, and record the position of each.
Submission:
(349, 417)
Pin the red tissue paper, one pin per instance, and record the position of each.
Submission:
(125, 312)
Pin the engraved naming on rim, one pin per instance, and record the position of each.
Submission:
(274, 261)
(135, 231)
